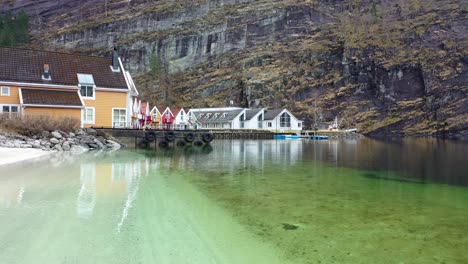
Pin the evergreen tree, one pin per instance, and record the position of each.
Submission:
(14, 29)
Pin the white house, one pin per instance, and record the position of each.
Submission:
(254, 118)
(220, 118)
(281, 120)
(181, 119)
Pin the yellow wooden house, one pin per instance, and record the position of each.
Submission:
(95, 90)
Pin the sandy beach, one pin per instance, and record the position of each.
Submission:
(13, 155)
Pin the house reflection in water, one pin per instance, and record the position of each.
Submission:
(11, 196)
(252, 153)
(100, 180)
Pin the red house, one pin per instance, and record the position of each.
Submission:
(167, 118)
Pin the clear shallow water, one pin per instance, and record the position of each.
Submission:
(241, 202)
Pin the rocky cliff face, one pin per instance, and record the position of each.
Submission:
(387, 67)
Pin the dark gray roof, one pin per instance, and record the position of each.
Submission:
(25, 65)
(271, 114)
(249, 114)
(230, 115)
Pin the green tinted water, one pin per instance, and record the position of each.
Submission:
(241, 202)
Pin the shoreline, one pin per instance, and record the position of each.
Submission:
(14, 155)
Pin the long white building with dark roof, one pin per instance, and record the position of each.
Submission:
(277, 120)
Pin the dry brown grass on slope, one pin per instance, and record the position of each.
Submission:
(35, 124)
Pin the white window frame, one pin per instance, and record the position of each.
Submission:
(83, 116)
(87, 80)
(10, 105)
(8, 91)
(88, 97)
(113, 117)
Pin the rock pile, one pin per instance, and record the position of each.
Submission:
(82, 140)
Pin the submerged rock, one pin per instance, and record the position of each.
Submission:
(287, 226)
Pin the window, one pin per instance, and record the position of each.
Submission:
(260, 121)
(200, 115)
(9, 109)
(216, 115)
(285, 120)
(299, 125)
(86, 83)
(85, 79)
(119, 117)
(87, 91)
(207, 115)
(88, 115)
(242, 120)
(224, 115)
(269, 124)
(5, 91)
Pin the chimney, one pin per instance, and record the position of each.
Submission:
(115, 60)
(46, 74)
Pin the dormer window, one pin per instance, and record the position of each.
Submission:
(46, 73)
(207, 115)
(215, 115)
(224, 115)
(200, 115)
(115, 61)
(86, 83)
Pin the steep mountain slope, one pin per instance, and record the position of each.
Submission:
(387, 67)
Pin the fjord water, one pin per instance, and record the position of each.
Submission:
(354, 201)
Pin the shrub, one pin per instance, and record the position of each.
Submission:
(29, 125)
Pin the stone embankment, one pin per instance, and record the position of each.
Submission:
(340, 135)
(81, 141)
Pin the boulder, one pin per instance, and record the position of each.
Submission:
(54, 141)
(2, 138)
(100, 133)
(93, 146)
(66, 146)
(78, 149)
(91, 132)
(63, 133)
(56, 134)
(58, 147)
(45, 134)
(72, 135)
(8, 144)
(99, 143)
(113, 145)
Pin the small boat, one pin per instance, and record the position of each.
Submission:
(319, 137)
(286, 137)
